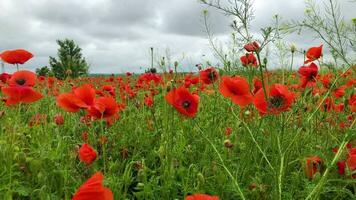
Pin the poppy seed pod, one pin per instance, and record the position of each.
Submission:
(293, 48)
(228, 144)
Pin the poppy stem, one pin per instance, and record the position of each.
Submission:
(262, 79)
(222, 161)
(17, 66)
(103, 142)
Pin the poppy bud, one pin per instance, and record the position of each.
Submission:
(140, 186)
(201, 178)
(124, 153)
(228, 144)
(205, 11)
(228, 131)
(293, 48)
(85, 136)
(58, 119)
(87, 154)
(138, 165)
(264, 62)
(252, 186)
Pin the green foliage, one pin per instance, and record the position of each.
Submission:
(43, 71)
(70, 62)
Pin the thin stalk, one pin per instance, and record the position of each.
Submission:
(316, 190)
(236, 184)
(255, 141)
(262, 79)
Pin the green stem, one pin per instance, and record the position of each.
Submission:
(316, 190)
(222, 163)
(262, 79)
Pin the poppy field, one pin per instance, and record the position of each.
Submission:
(253, 134)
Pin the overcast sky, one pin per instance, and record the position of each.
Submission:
(116, 35)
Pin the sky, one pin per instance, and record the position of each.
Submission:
(116, 35)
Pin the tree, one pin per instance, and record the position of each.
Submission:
(70, 62)
(43, 71)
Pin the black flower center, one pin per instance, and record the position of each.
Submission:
(21, 81)
(186, 104)
(275, 102)
(212, 76)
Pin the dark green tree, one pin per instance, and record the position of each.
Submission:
(70, 62)
(43, 71)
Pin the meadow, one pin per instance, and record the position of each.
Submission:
(253, 134)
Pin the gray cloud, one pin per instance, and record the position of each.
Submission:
(116, 35)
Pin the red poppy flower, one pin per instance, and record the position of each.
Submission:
(209, 75)
(4, 77)
(70, 103)
(201, 197)
(325, 80)
(257, 85)
(18, 56)
(314, 53)
(59, 119)
(308, 74)
(103, 107)
(87, 154)
(341, 167)
(339, 92)
(248, 60)
(18, 94)
(251, 47)
(351, 160)
(352, 103)
(23, 78)
(93, 189)
(237, 89)
(279, 99)
(148, 101)
(313, 165)
(328, 104)
(86, 93)
(183, 101)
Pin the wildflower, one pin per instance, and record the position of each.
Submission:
(251, 47)
(248, 60)
(279, 99)
(308, 74)
(23, 78)
(70, 103)
(183, 101)
(93, 189)
(352, 103)
(148, 101)
(59, 119)
(18, 56)
(237, 89)
(201, 197)
(257, 85)
(20, 95)
(209, 75)
(228, 144)
(313, 165)
(339, 92)
(314, 53)
(87, 154)
(4, 77)
(103, 107)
